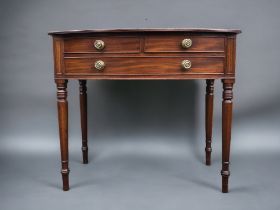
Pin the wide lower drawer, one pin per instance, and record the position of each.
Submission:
(144, 65)
(100, 44)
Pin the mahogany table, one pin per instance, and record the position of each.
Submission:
(145, 54)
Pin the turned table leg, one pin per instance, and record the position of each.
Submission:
(83, 110)
(209, 118)
(62, 106)
(226, 130)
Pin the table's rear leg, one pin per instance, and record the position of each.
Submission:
(226, 130)
(62, 106)
(83, 110)
(209, 118)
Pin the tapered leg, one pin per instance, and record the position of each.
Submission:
(62, 106)
(226, 130)
(83, 110)
(209, 118)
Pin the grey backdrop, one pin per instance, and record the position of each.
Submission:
(146, 138)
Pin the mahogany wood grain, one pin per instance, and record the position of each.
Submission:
(58, 48)
(145, 54)
(209, 98)
(173, 43)
(83, 111)
(144, 66)
(62, 107)
(230, 58)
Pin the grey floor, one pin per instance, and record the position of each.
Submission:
(138, 177)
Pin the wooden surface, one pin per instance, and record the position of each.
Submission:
(140, 56)
(167, 43)
(147, 54)
(114, 44)
(144, 66)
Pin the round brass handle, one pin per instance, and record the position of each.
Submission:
(186, 64)
(99, 65)
(99, 44)
(186, 43)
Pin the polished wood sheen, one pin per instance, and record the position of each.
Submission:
(167, 43)
(113, 44)
(144, 66)
(145, 54)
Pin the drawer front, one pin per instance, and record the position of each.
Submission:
(111, 45)
(144, 65)
(173, 43)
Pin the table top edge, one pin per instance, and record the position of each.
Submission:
(127, 30)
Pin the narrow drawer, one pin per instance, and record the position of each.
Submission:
(144, 65)
(173, 43)
(114, 44)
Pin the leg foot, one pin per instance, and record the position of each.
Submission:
(225, 176)
(65, 179)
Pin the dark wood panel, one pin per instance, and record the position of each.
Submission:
(144, 66)
(58, 55)
(231, 50)
(167, 43)
(112, 44)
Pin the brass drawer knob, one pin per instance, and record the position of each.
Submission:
(186, 43)
(99, 44)
(99, 65)
(186, 64)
